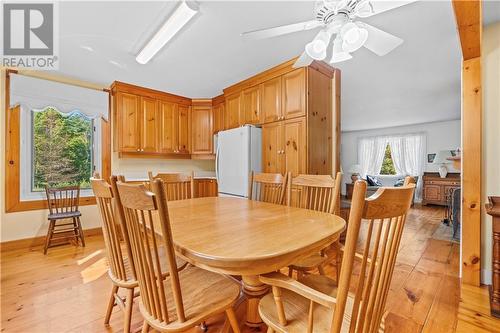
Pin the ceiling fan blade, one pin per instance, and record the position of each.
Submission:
(373, 7)
(303, 61)
(380, 42)
(281, 30)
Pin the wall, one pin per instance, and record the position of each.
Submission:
(491, 137)
(439, 136)
(34, 223)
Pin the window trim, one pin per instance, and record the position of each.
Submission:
(13, 202)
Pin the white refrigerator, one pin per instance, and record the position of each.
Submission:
(238, 151)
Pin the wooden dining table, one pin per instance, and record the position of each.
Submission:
(237, 236)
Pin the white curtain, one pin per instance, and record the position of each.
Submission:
(371, 155)
(408, 156)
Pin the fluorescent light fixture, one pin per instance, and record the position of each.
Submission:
(180, 17)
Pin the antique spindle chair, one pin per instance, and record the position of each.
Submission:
(63, 206)
(178, 186)
(320, 304)
(165, 306)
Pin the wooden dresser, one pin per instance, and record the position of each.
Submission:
(436, 188)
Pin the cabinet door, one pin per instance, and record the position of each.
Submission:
(128, 114)
(294, 93)
(184, 129)
(295, 146)
(432, 192)
(272, 147)
(201, 129)
(149, 125)
(205, 188)
(218, 118)
(168, 137)
(270, 95)
(232, 114)
(251, 105)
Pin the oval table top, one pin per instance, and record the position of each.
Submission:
(244, 237)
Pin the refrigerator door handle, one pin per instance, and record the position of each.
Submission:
(217, 164)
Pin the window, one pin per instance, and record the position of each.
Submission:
(62, 151)
(387, 164)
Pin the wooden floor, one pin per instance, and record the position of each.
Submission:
(67, 290)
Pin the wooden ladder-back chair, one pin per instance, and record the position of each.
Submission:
(121, 266)
(178, 186)
(187, 297)
(267, 187)
(316, 303)
(63, 205)
(315, 192)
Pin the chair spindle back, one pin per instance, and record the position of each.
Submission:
(141, 207)
(63, 199)
(105, 201)
(316, 192)
(385, 215)
(267, 187)
(178, 186)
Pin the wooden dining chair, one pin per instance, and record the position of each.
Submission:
(320, 193)
(165, 306)
(121, 268)
(178, 186)
(317, 302)
(267, 187)
(63, 206)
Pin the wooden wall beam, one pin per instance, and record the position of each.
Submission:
(471, 170)
(468, 15)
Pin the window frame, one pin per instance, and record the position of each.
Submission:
(13, 201)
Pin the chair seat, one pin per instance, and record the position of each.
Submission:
(66, 215)
(297, 308)
(309, 263)
(204, 294)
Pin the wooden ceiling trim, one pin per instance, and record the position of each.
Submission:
(468, 15)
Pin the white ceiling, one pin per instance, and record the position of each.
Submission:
(418, 82)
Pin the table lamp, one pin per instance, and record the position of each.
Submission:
(354, 170)
(441, 159)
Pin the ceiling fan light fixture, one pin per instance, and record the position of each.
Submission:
(317, 48)
(353, 37)
(338, 54)
(179, 18)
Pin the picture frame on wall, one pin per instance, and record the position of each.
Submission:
(431, 157)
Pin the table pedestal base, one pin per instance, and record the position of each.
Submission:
(254, 290)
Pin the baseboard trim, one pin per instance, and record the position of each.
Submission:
(28, 243)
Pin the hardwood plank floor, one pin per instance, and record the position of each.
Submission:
(67, 290)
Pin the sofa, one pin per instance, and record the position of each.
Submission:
(386, 181)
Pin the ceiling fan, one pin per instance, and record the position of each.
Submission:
(338, 22)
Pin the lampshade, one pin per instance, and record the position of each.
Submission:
(353, 37)
(338, 53)
(317, 48)
(355, 168)
(441, 157)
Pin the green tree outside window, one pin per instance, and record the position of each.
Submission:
(62, 149)
(387, 164)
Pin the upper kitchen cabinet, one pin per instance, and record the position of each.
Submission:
(127, 121)
(202, 128)
(299, 117)
(251, 105)
(184, 129)
(232, 111)
(168, 114)
(218, 114)
(150, 123)
(294, 94)
(270, 104)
